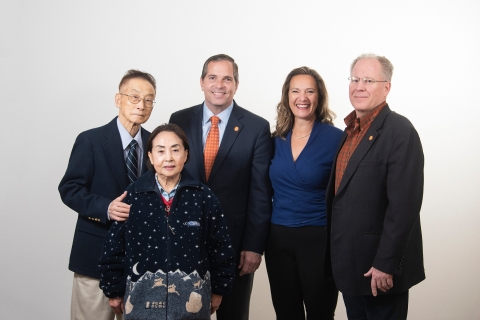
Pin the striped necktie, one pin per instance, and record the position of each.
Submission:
(132, 162)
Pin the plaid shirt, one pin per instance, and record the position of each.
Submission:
(165, 194)
(356, 129)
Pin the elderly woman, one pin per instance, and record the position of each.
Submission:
(305, 145)
(172, 258)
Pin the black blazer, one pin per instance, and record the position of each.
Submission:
(374, 219)
(96, 174)
(239, 177)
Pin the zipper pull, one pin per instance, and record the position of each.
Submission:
(171, 229)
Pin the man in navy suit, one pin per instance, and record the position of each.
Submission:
(374, 199)
(239, 176)
(103, 162)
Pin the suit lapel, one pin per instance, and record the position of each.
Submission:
(114, 151)
(367, 142)
(331, 181)
(232, 130)
(145, 136)
(195, 134)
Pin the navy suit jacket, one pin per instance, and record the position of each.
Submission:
(95, 176)
(374, 218)
(239, 177)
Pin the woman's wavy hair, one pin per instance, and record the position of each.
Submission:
(285, 117)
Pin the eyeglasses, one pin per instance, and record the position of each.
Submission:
(133, 98)
(366, 81)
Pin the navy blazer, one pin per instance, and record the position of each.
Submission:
(239, 176)
(95, 176)
(374, 218)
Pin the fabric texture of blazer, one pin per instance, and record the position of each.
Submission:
(95, 176)
(239, 176)
(374, 218)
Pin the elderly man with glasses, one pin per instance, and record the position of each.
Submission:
(374, 198)
(103, 162)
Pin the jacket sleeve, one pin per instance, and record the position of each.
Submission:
(259, 211)
(113, 278)
(75, 186)
(112, 262)
(404, 193)
(220, 249)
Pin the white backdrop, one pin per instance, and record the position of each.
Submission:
(61, 62)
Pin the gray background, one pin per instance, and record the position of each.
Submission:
(61, 62)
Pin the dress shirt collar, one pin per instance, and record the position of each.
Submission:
(224, 115)
(163, 192)
(127, 138)
(355, 123)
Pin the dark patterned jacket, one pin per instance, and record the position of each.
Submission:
(167, 267)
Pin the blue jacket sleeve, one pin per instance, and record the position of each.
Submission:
(75, 186)
(257, 224)
(113, 277)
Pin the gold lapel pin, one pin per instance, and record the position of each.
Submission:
(236, 128)
(370, 138)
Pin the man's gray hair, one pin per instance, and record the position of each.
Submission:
(387, 66)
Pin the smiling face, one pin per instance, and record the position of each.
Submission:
(168, 155)
(303, 97)
(219, 85)
(366, 97)
(131, 114)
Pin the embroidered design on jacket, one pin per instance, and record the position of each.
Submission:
(180, 291)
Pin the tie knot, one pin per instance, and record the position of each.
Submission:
(132, 143)
(215, 120)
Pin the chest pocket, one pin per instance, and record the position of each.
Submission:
(192, 224)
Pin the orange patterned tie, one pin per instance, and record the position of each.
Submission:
(211, 146)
